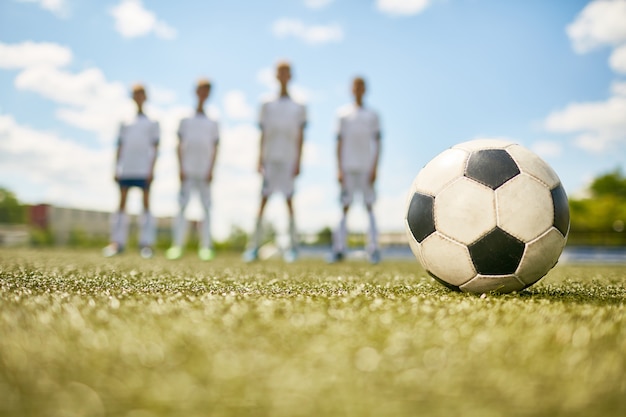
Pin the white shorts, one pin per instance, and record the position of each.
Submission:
(278, 177)
(357, 182)
(202, 186)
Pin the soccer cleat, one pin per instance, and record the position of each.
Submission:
(375, 257)
(251, 255)
(175, 252)
(146, 252)
(290, 256)
(335, 257)
(111, 250)
(206, 254)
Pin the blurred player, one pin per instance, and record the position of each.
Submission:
(136, 154)
(282, 123)
(198, 137)
(358, 148)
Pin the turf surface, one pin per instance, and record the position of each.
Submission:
(85, 336)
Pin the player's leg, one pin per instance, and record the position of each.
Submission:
(205, 252)
(369, 197)
(252, 253)
(258, 228)
(180, 226)
(286, 185)
(340, 235)
(147, 226)
(291, 253)
(119, 226)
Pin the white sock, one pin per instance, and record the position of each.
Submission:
(340, 236)
(293, 234)
(119, 228)
(147, 233)
(205, 231)
(258, 234)
(180, 229)
(372, 241)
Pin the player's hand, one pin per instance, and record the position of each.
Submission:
(259, 168)
(181, 174)
(116, 178)
(373, 177)
(150, 178)
(340, 177)
(209, 177)
(296, 170)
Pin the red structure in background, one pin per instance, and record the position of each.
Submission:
(38, 215)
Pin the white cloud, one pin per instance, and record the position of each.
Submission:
(311, 34)
(161, 95)
(619, 88)
(236, 106)
(402, 7)
(57, 163)
(601, 22)
(600, 125)
(89, 101)
(60, 8)
(547, 148)
(133, 20)
(617, 61)
(31, 54)
(317, 4)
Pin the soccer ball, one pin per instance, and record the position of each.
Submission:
(487, 215)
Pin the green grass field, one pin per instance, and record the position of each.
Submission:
(85, 336)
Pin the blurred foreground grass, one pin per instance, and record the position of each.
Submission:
(85, 336)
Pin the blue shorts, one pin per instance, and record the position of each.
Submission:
(134, 182)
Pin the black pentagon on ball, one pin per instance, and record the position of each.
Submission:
(496, 253)
(421, 217)
(491, 167)
(561, 209)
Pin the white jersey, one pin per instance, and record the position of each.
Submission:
(358, 131)
(198, 137)
(137, 146)
(281, 120)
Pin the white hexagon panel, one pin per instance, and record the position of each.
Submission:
(446, 260)
(540, 256)
(441, 171)
(531, 164)
(525, 208)
(496, 283)
(465, 210)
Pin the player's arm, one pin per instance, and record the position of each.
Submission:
(261, 145)
(259, 166)
(299, 150)
(300, 140)
(376, 158)
(179, 157)
(213, 159)
(155, 145)
(339, 168)
(118, 153)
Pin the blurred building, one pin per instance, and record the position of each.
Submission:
(63, 223)
(13, 235)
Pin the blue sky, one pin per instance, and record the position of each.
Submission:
(549, 74)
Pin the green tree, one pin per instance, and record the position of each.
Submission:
(611, 184)
(11, 211)
(324, 236)
(236, 241)
(600, 218)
